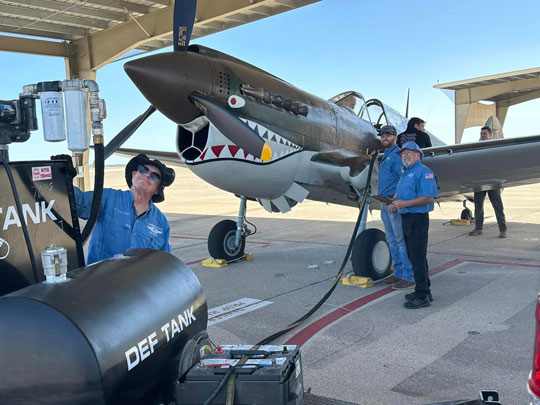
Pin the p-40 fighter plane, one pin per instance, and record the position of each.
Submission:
(250, 133)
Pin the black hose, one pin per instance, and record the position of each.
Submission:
(21, 217)
(98, 192)
(362, 207)
(220, 386)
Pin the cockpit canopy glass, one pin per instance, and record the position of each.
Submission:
(353, 102)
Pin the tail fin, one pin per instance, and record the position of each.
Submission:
(496, 128)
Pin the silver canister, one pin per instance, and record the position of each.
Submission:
(54, 259)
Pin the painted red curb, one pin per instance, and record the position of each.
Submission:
(309, 331)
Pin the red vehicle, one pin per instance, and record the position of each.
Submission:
(534, 377)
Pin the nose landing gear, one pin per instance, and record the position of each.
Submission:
(227, 239)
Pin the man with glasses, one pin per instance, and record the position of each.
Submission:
(415, 194)
(129, 219)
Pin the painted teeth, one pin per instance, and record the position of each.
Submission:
(268, 135)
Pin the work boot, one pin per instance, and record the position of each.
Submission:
(476, 232)
(503, 234)
(412, 296)
(391, 280)
(417, 303)
(403, 285)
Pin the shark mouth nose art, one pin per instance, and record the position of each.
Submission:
(217, 146)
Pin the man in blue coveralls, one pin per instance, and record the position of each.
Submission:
(389, 174)
(129, 219)
(415, 194)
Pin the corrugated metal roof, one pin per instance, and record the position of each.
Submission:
(69, 20)
(493, 79)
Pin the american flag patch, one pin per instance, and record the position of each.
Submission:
(429, 175)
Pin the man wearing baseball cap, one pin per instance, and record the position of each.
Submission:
(389, 173)
(415, 195)
(129, 219)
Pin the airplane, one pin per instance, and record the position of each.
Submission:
(253, 134)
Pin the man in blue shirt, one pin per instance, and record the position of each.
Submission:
(129, 219)
(389, 174)
(415, 195)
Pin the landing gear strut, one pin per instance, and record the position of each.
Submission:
(227, 239)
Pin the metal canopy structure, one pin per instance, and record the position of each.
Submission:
(92, 33)
(503, 90)
(88, 34)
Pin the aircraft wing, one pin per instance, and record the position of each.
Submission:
(169, 157)
(485, 165)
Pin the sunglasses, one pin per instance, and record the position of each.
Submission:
(144, 170)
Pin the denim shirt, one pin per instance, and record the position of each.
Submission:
(417, 181)
(118, 228)
(389, 171)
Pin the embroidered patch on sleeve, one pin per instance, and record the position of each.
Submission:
(429, 175)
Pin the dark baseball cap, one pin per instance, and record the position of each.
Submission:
(388, 129)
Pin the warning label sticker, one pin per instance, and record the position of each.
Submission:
(41, 173)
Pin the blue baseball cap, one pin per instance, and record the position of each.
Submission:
(412, 146)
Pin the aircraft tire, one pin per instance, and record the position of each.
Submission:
(466, 214)
(371, 255)
(221, 241)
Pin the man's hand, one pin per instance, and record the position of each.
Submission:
(397, 204)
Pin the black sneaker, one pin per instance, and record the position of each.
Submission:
(417, 303)
(412, 296)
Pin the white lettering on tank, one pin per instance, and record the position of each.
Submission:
(153, 341)
(46, 211)
(132, 363)
(143, 349)
(11, 218)
(33, 215)
(146, 347)
(174, 328)
(165, 328)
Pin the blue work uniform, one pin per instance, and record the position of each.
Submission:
(389, 174)
(118, 228)
(417, 181)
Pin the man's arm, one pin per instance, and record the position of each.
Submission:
(422, 200)
(84, 202)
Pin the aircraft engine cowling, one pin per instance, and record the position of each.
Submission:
(218, 161)
(112, 334)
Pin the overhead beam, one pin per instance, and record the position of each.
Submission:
(33, 46)
(119, 5)
(52, 17)
(56, 28)
(99, 48)
(37, 33)
(82, 11)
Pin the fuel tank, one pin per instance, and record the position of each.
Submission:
(111, 334)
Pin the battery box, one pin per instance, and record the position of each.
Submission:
(268, 375)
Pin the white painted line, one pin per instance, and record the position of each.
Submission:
(233, 309)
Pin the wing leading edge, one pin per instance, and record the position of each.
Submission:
(485, 165)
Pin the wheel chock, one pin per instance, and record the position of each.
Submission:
(460, 222)
(217, 263)
(248, 257)
(357, 281)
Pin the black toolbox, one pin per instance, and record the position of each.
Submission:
(268, 375)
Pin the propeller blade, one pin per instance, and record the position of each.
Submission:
(125, 133)
(407, 107)
(234, 129)
(183, 20)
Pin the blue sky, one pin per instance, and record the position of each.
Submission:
(379, 48)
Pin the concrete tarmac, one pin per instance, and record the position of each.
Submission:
(362, 345)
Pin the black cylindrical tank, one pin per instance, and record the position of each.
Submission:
(112, 334)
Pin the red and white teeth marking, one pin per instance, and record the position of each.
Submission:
(271, 137)
(226, 152)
